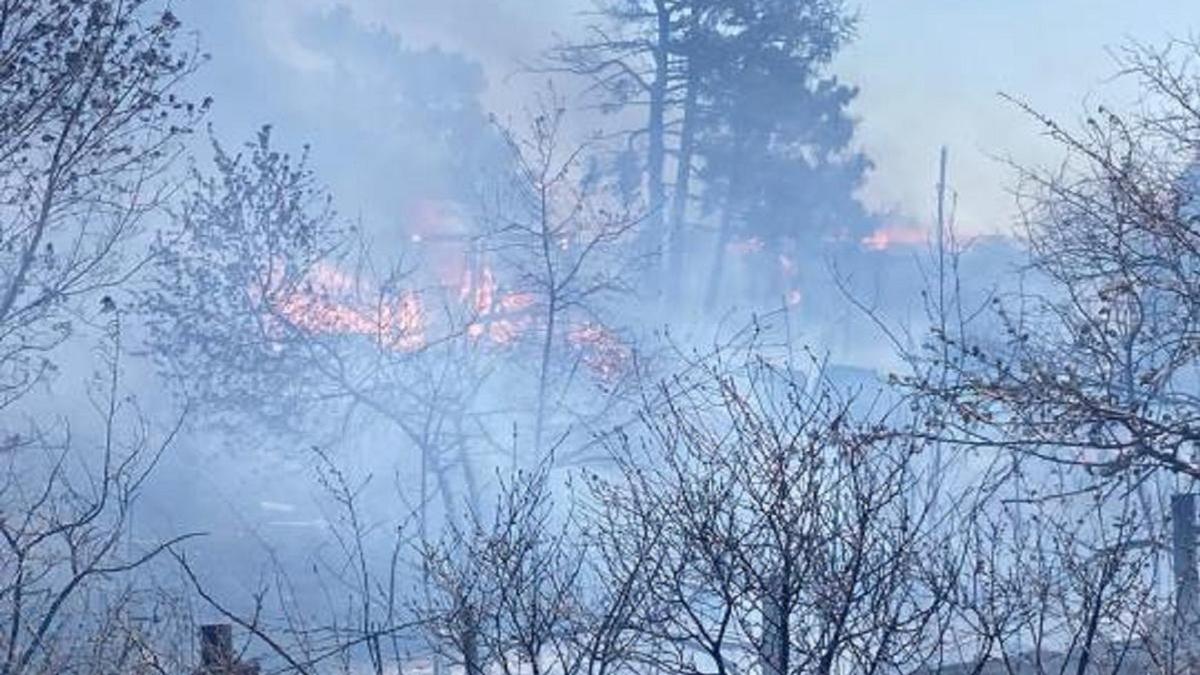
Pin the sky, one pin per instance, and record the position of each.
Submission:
(930, 72)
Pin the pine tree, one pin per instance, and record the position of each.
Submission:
(744, 131)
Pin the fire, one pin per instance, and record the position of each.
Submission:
(501, 317)
(516, 302)
(891, 236)
(603, 351)
(479, 295)
(325, 278)
(746, 246)
(329, 302)
(787, 266)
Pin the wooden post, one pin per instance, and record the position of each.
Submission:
(775, 628)
(216, 646)
(1187, 578)
(217, 656)
(935, 476)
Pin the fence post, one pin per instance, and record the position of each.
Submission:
(217, 656)
(1187, 577)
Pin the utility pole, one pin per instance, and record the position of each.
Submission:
(941, 234)
(936, 475)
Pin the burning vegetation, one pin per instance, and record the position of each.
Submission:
(568, 403)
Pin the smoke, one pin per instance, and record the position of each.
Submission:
(500, 36)
(291, 47)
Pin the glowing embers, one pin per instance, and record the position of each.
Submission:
(888, 237)
(743, 247)
(602, 350)
(501, 318)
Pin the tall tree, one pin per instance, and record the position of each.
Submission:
(778, 168)
(629, 59)
(738, 109)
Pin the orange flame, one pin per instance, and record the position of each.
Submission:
(745, 246)
(603, 351)
(891, 236)
(327, 301)
(494, 317)
(787, 265)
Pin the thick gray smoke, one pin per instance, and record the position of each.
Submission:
(612, 335)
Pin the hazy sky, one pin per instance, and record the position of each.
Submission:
(930, 71)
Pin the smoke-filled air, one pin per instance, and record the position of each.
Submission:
(599, 337)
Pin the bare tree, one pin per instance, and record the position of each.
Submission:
(266, 309)
(1090, 361)
(1048, 574)
(566, 242)
(69, 551)
(88, 122)
(627, 58)
(529, 590)
(792, 534)
(348, 608)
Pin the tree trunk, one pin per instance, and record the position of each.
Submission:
(724, 235)
(547, 252)
(682, 195)
(656, 127)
